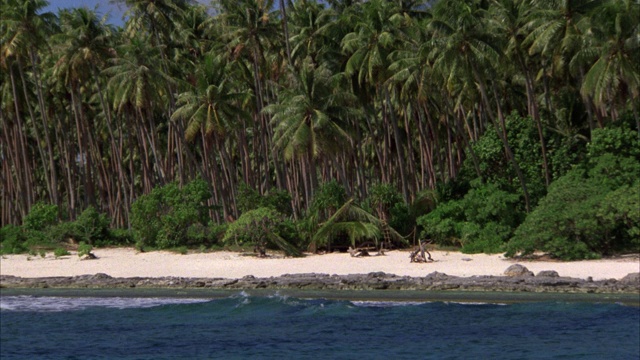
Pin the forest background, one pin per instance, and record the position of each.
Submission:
(494, 126)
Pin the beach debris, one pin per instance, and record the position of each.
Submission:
(363, 250)
(466, 259)
(421, 254)
(358, 252)
(88, 256)
(517, 270)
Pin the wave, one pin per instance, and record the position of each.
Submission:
(59, 303)
(383, 304)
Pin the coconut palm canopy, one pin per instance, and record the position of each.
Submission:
(285, 96)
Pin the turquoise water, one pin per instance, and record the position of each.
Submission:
(273, 325)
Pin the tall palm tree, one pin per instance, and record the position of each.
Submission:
(212, 110)
(464, 50)
(510, 19)
(23, 29)
(376, 33)
(311, 33)
(139, 90)
(611, 61)
(310, 117)
(83, 48)
(250, 29)
(557, 32)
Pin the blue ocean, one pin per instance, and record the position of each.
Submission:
(280, 325)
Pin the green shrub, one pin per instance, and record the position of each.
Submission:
(387, 203)
(248, 199)
(382, 197)
(199, 234)
(162, 218)
(91, 226)
(593, 209)
(84, 249)
(39, 239)
(262, 227)
(41, 216)
(12, 240)
(329, 197)
(62, 232)
(182, 250)
(117, 236)
(59, 252)
(482, 221)
(443, 225)
(579, 219)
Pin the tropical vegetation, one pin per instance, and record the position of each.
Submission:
(491, 125)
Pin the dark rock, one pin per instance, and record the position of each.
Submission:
(378, 274)
(437, 276)
(548, 273)
(372, 281)
(101, 276)
(517, 270)
(631, 278)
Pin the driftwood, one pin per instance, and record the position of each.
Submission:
(364, 251)
(418, 255)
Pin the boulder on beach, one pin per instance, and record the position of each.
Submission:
(517, 270)
(631, 278)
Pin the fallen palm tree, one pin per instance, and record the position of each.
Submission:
(358, 224)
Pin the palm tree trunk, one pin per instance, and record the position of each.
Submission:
(399, 148)
(26, 183)
(53, 182)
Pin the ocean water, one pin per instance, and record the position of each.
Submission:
(276, 325)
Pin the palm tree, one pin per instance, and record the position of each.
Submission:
(356, 223)
(510, 19)
(376, 33)
(309, 119)
(23, 32)
(159, 18)
(83, 48)
(463, 50)
(311, 36)
(212, 109)
(557, 32)
(612, 59)
(139, 90)
(249, 30)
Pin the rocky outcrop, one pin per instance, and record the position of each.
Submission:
(517, 270)
(548, 273)
(548, 281)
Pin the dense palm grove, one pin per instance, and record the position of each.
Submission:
(503, 125)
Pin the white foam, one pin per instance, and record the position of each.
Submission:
(55, 303)
(474, 303)
(367, 303)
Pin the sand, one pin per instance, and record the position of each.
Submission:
(127, 262)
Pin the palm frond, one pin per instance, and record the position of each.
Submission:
(284, 245)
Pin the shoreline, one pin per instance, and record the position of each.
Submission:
(378, 281)
(127, 262)
(123, 268)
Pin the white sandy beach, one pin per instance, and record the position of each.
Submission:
(127, 262)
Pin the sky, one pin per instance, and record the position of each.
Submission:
(115, 11)
(113, 8)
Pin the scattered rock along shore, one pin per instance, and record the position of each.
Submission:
(546, 281)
